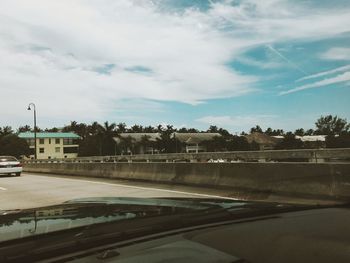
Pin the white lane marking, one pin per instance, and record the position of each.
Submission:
(3, 188)
(147, 188)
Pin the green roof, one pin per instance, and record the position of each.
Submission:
(30, 135)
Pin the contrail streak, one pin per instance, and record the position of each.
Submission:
(287, 60)
(325, 73)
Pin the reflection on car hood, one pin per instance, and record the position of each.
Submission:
(89, 211)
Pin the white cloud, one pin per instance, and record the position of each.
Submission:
(337, 53)
(237, 122)
(344, 77)
(281, 19)
(50, 51)
(246, 122)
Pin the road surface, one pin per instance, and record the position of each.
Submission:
(34, 190)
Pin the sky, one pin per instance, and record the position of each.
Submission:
(189, 63)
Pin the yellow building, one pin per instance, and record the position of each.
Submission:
(52, 145)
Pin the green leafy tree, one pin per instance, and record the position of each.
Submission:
(136, 128)
(105, 135)
(11, 144)
(329, 125)
(144, 143)
(121, 127)
(257, 128)
(299, 132)
(80, 129)
(278, 132)
(309, 132)
(6, 130)
(238, 143)
(187, 130)
(25, 128)
(224, 133)
(125, 144)
(89, 146)
(217, 144)
(54, 129)
(213, 128)
(290, 142)
(269, 131)
(254, 146)
(149, 129)
(167, 142)
(341, 141)
(192, 130)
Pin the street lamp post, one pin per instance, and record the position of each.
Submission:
(34, 108)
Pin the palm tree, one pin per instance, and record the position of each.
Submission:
(149, 129)
(136, 128)
(126, 143)
(144, 142)
(106, 132)
(94, 128)
(6, 130)
(25, 128)
(121, 127)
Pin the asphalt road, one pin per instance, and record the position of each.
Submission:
(35, 190)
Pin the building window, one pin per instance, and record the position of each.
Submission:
(57, 149)
(69, 141)
(41, 141)
(57, 141)
(41, 150)
(70, 150)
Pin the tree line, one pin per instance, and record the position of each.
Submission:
(97, 139)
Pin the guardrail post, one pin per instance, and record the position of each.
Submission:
(313, 159)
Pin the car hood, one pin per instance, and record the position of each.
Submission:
(9, 163)
(85, 212)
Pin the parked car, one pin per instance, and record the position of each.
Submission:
(10, 165)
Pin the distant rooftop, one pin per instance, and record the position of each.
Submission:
(312, 138)
(261, 138)
(137, 137)
(307, 138)
(30, 135)
(195, 137)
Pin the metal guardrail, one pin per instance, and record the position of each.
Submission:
(300, 155)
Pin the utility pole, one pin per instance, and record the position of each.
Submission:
(34, 108)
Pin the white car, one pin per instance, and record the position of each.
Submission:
(10, 165)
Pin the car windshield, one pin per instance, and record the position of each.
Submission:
(7, 159)
(165, 115)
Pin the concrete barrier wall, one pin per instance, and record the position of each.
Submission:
(307, 180)
(306, 155)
